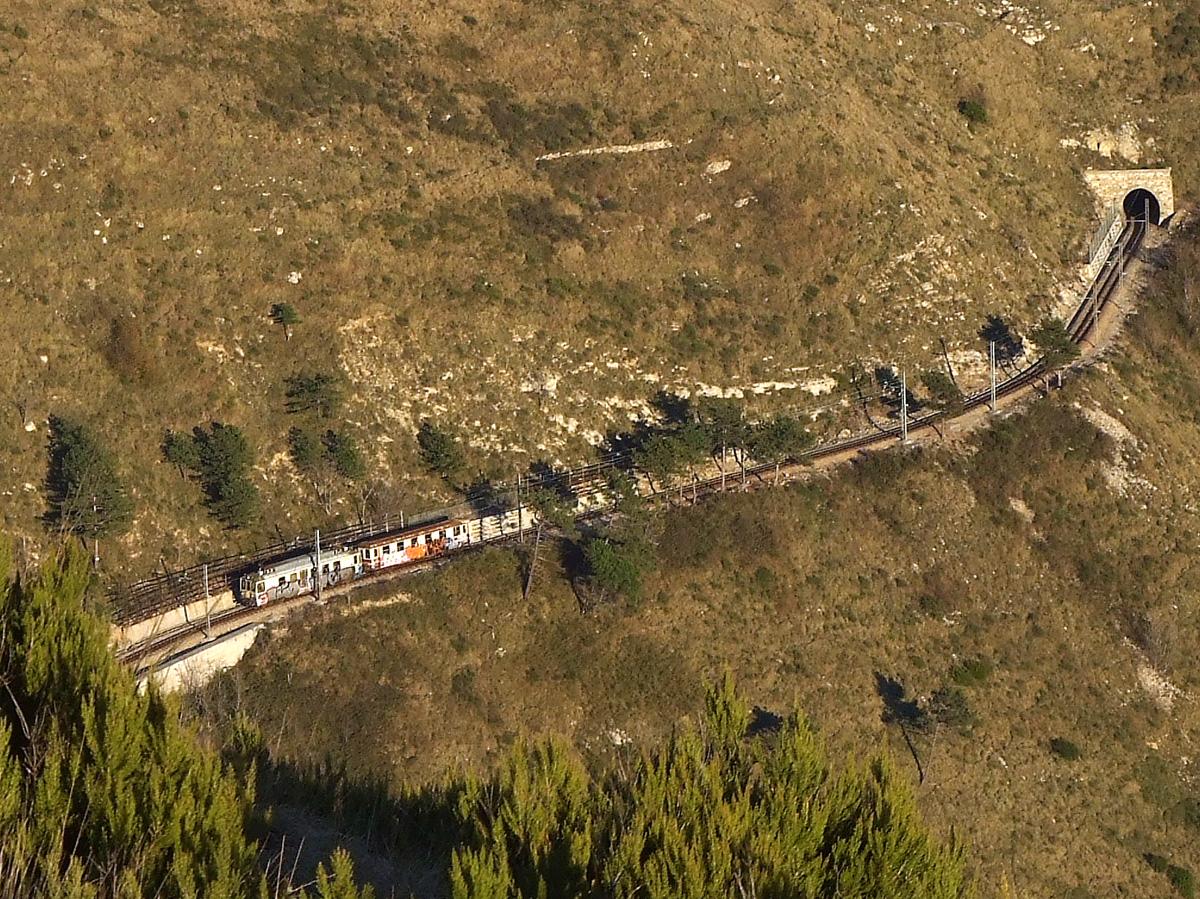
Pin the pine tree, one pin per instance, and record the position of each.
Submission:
(102, 792)
(317, 392)
(439, 450)
(286, 316)
(87, 496)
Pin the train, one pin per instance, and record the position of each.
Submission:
(297, 575)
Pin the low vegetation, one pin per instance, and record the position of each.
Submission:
(1009, 612)
(103, 793)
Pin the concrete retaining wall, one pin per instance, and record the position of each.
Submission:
(194, 667)
(195, 613)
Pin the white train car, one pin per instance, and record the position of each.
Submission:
(414, 544)
(297, 575)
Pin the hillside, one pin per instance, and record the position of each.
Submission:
(178, 168)
(1031, 588)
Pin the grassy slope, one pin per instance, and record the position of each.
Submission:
(901, 566)
(170, 164)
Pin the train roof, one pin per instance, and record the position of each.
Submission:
(417, 530)
(303, 560)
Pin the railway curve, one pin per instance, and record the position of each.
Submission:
(144, 599)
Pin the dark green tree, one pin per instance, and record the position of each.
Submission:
(222, 463)
(286, 316)
(103, 793)
(943, 394)
(724, 419)
(316, 392)
(780, 439)
(1055, 343)
(344, 455)
(661, 457)
(439, 450)
(304, 449)
(87, 495)
(710, 813)
(182, 451)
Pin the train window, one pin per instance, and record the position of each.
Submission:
(282, 581)
(293, 577)
(325, 569)
(387, 550)
(337, 566)
(260, 587)
(356, 559)
(304, 576)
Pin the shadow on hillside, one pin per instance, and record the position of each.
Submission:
(400, 843)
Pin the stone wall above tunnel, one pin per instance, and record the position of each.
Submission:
(1111, 188)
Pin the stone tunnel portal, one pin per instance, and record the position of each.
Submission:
(1141, 203)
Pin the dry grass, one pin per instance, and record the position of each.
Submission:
(170, 167)
(1068, 620)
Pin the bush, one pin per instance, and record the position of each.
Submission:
(439, 450)
(950, 707)
(1182, 880)
(1065, 749)
(617, 566)
(971, 672)
(317, 392)
(1186, 812)
(973, 111)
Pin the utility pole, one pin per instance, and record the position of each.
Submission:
(317, 548)
(96, 541)
(533, 560)
(207, 605)
(520, 516)
(903, 407)
(992, 368)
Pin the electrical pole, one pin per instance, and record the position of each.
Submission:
(317, 547)
(520, 516)
(992, 369)
(96, 541)
(903, 407)
(207, 605)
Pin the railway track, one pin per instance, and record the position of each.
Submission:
(170, 590)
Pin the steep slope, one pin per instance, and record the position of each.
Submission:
(178, 167)
(1033, 588)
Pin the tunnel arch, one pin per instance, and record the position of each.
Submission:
(1140, 202)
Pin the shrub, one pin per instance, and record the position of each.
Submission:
(950, 707)
(439, 450)
(973, 111)
(130, 353)
(1182, 880)
(1065, 749)
(616, 566)
(539, 219)
(317, 392)
(1186, 812)
(971, 672)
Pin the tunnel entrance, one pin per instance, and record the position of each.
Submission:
(1141, 203)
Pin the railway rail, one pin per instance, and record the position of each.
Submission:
(171, 589)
